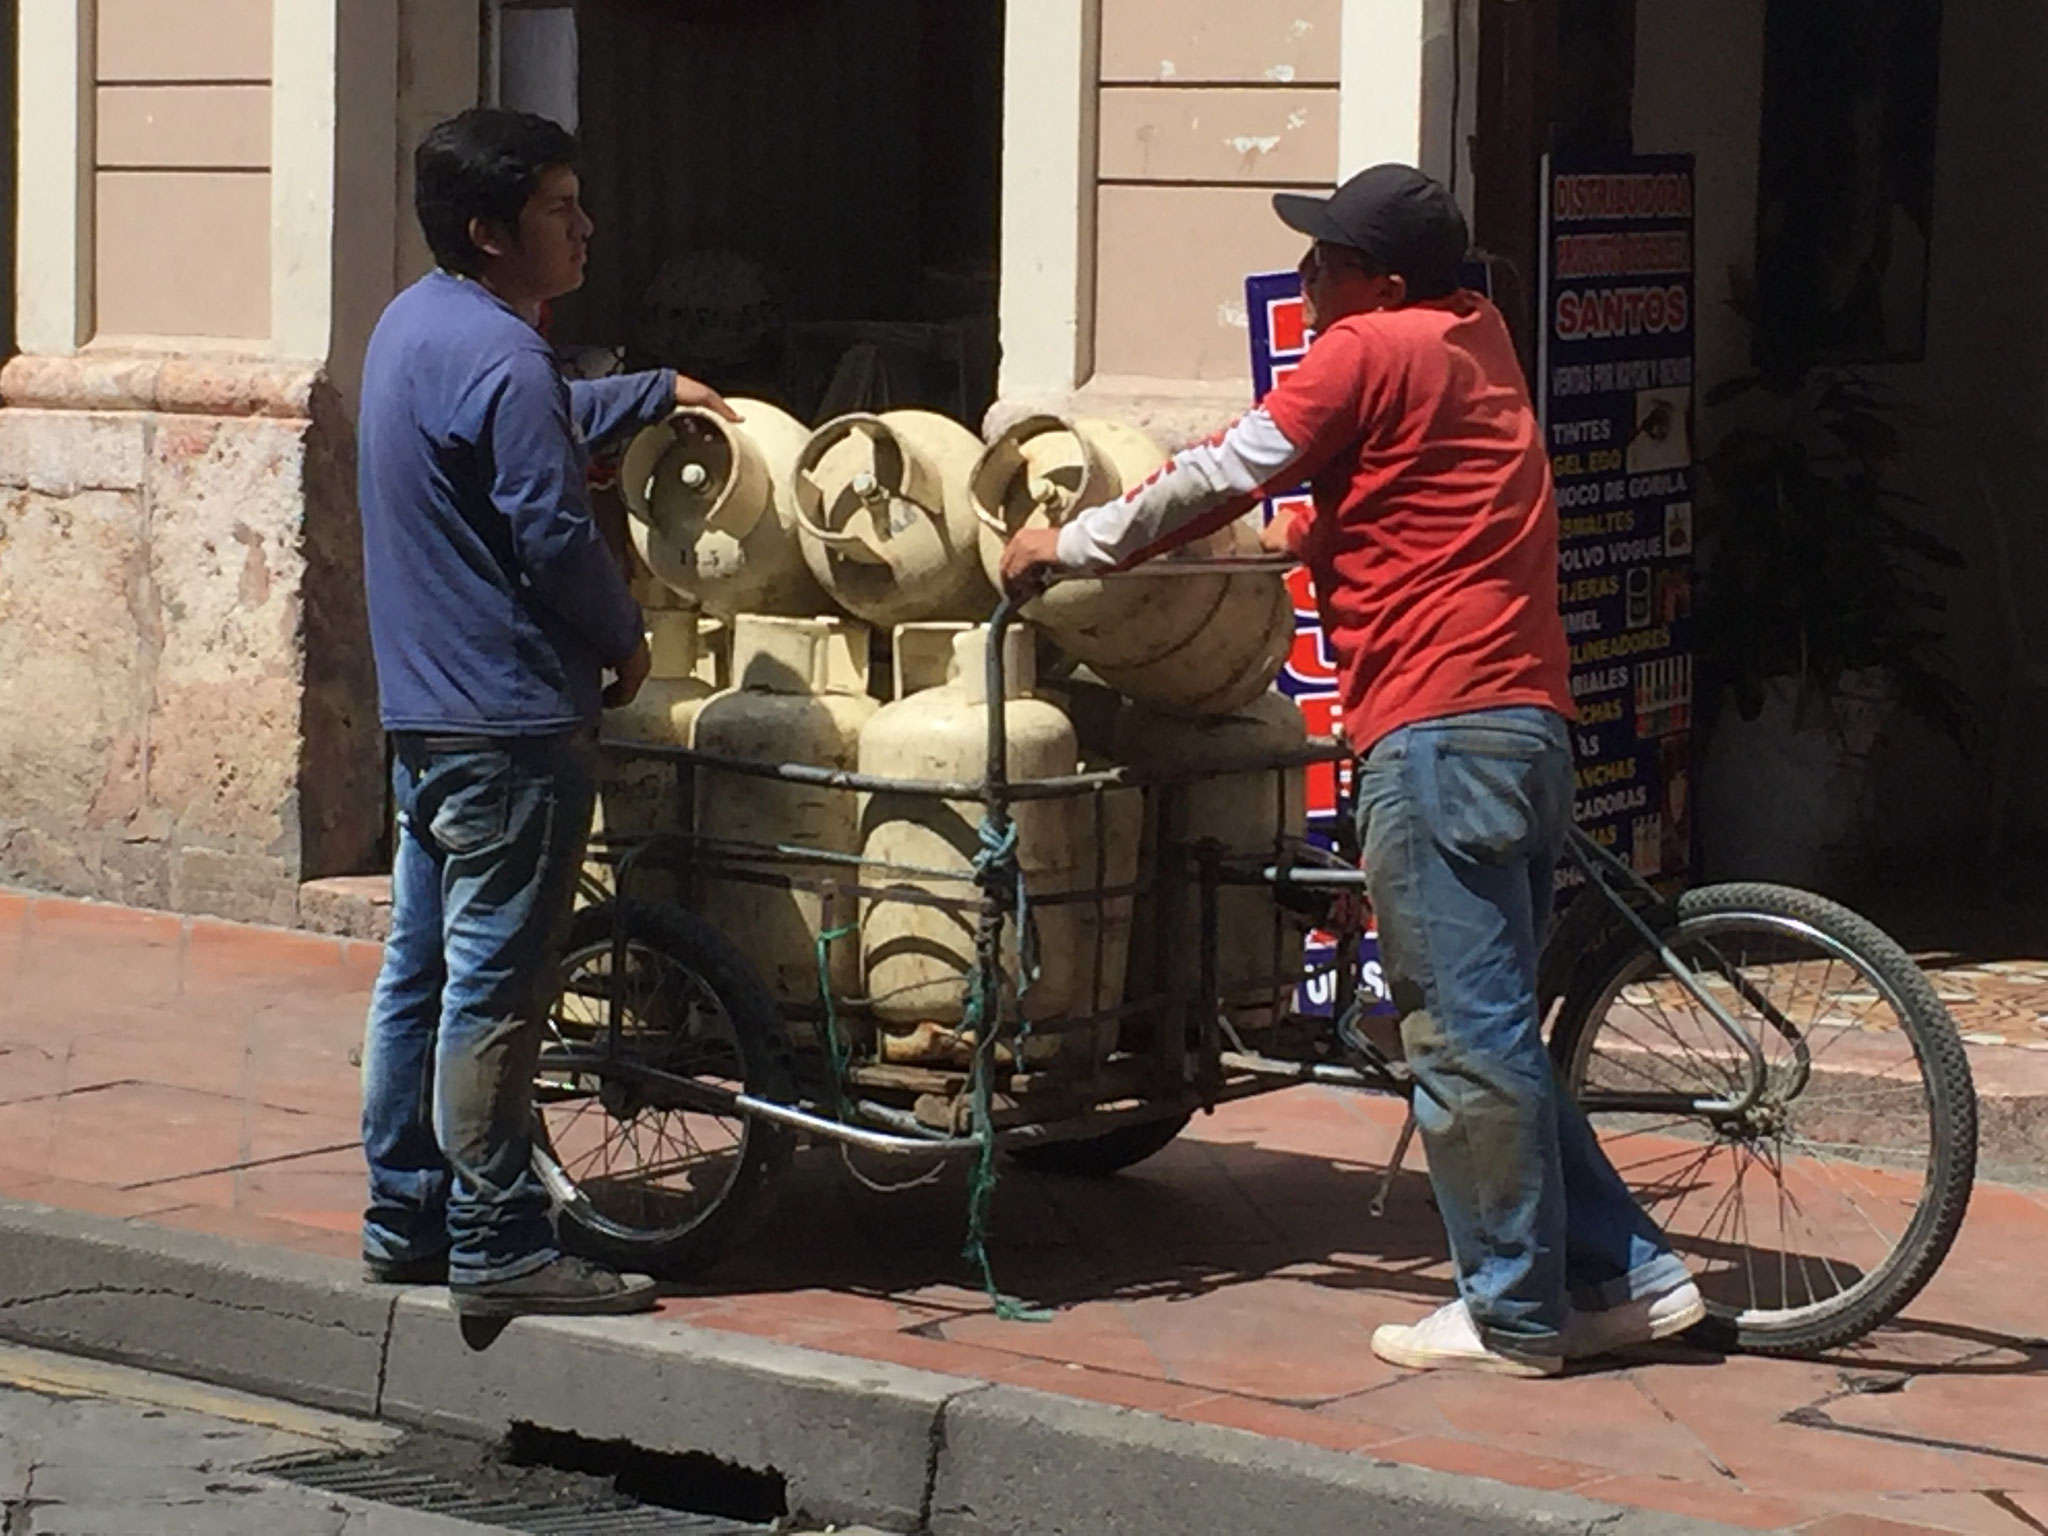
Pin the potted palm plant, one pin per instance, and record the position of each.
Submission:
(1820, 618)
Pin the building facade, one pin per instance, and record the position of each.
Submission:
(212, 204)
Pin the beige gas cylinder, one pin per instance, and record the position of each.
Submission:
(1095, 708)
(917, 956)
(799, 695)
(637, 796)
(922, 655)
(886, 522)
(710, 514)
(1187, 645)
(714, 651)
(1247, 815)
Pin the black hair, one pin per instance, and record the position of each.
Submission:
(1424, 279)
(1425, 284)
(481, 164)
(1425, 276)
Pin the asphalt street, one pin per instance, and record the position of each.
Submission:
(89, 1449)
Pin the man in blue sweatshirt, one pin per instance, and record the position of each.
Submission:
(495, 607)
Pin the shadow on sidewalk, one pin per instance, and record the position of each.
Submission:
(1198, 1218)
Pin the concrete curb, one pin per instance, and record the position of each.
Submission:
(857, 1441)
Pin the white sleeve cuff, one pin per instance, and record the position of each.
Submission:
(1252, 456)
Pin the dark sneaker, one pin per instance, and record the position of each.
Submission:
(569, 1287)
(429, 1271)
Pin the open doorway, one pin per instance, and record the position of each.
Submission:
(795, 202)
(1554, 76)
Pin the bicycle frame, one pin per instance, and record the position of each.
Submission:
(1204, 1056)
(1602, 870)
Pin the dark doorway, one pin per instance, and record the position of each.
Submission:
(796, 201)
(1554, 75)
(1845, 194)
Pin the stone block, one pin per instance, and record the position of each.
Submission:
(226, 508)
(348, 906)
(225, 561)
(60, 453)
(135, 873)
(242, 887)
(75, 650)
(85, 381)
(187, 702)
(224, 762)
(40, 860)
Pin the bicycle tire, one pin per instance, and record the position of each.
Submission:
(1710, 914)
(766, 1060)
(1101, 1157)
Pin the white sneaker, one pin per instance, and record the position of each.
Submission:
(1641, 1321)
(1446, 1341)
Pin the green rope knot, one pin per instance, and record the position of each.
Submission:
(999, 873)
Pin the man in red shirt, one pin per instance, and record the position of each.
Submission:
(1433, 544)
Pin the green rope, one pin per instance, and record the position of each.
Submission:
(996, 871)
(837, 1051)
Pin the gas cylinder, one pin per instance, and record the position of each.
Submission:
(917, 956)
(924, 658)
(1244, 815)
(1186, 645)
(1232, 656)
(1095, 708)
(922, 655)
(709, 509)
(886, 523)
(799, 695)
(714, 651)
(638, 796)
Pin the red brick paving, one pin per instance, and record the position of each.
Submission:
(198, 1075)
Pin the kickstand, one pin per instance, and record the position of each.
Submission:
(1379, 1201)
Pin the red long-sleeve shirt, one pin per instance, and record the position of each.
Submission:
(1433, 542)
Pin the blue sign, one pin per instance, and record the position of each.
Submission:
(1615, 386)
(1280, 339)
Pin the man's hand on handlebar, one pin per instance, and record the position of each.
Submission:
(1277, 537)
(1031, 556)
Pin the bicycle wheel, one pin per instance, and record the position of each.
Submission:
(1820, 1211)
(645, 1173)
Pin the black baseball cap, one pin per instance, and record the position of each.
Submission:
(1404, 222)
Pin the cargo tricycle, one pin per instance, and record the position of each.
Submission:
(1774, 1077)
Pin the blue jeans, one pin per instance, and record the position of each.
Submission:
(1462, 821)
(491, 835)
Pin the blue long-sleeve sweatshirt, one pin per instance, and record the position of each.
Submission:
(494, 602)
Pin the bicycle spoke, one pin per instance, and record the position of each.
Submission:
(643, 1167)
(1846, 1138)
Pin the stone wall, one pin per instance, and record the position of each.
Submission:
(187, 708)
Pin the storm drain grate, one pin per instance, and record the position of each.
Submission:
(371, 1479)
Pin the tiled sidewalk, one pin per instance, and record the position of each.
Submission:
(1998, 1002)
(198, 1075)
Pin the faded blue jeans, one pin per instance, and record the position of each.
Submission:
(491, 834)
(1462, 821)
